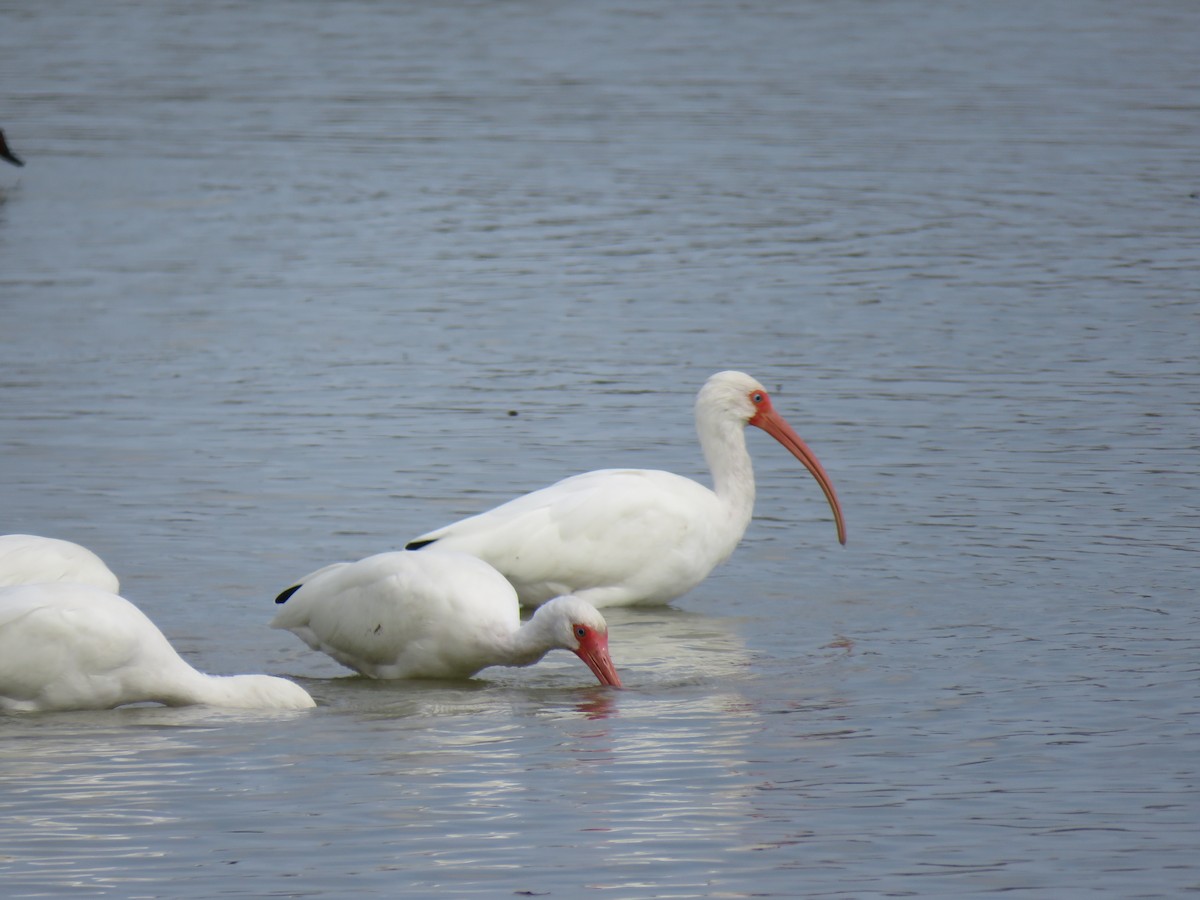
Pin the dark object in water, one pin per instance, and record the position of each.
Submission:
(8, 154)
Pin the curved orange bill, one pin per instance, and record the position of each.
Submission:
(593, 650)
(773, 424)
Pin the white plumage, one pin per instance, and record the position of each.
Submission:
(626, 537)
(31, 559)
(74, 646)
(437, 614)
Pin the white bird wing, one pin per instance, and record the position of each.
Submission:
(71, 645)
(32, 559)
(403, 614)
(588, 533)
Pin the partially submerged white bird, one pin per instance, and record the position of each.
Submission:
(70, 646)
(630, 537)
(434, 615)
(32, 559)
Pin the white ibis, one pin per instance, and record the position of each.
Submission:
(74, 646)
(434, 615)
(635, 537)
(30, 559)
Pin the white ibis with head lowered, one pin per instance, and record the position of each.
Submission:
(70, 646)
(32, 559)
(632, 537)
(439, 614)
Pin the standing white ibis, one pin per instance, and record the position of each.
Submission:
(636, 537)
(74, 646)
(434, 615)
(32, 559)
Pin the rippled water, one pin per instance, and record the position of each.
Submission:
(277, 277)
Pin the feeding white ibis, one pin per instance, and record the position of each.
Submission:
(434, 615)
(74, 646)
(31, 559)
(630, 537)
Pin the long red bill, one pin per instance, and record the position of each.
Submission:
(773, 424)
(593, 650)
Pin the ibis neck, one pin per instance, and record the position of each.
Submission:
(723, 441)
(527, 644)
(240, 691)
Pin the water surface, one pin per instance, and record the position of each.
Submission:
(285, 284)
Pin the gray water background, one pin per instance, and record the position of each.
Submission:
(277, 275)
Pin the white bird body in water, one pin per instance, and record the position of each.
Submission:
(635, 537)
(434, 615)
(32, 559)
(67, 646)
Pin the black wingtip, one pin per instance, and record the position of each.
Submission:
(283, 598)
(417, 545)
